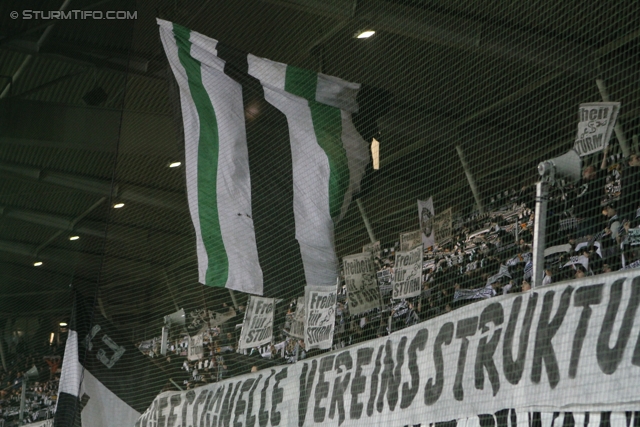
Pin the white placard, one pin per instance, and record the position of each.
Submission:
(257, 328)
(408, 273)
(320, 310)
(360, 278)
(595, 123)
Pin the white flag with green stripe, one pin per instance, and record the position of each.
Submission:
(272, 161)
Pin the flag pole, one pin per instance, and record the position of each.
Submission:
(4, 362)
(366, 221)
(620, 136)
(470, 178)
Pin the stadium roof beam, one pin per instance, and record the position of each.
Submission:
(451, 32)
(147, 196)
(126, 266)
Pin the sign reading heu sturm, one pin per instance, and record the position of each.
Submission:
(596, 122)
(572, 346)
(257, 328)
(360, 278)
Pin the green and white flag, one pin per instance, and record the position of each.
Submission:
(272, 161)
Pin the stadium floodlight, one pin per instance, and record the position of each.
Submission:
(563, 169)
(174, 319)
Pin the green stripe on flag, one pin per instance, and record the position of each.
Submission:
(208, 144)
(327, 124)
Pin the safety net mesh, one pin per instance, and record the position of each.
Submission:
(293, 212)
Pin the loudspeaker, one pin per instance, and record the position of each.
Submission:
(175, 319)
(32, 373)
(566, 167)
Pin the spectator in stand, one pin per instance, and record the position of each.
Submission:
(630, 189)
(588, 204)
(610, 238)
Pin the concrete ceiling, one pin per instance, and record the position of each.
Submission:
(499, 80)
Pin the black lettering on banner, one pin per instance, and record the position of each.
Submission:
(216, 401)
(419, 342)
(543, 351)
(227, 405)
(433, 389)
(465, 328)
(263, 416)
(322, 388)
(391, 376)
(306, 383)
(250, 418)
(205, 417)
(609, 358)
(200, 399)
(163, 402)
(374, 381)
(585, 297)
(513, 369)
(241, 404)
(486, 348)
(174, 402)
(277, 396)
(190, 396)
(340, 386)
(359, 383)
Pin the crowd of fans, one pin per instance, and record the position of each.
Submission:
(41, 387)
(592, 228)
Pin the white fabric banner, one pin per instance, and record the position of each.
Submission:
(408, 273)
(257, 328)
(320, 312)
(360, 278)
(572, 346)
(425, 213)
(596, 122)
(410, 240)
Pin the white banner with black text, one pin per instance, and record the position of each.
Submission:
(567, 347)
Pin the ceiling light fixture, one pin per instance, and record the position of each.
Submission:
(175, 164)
(37, 263)
(74, 237)
(118, 205)
(63, 323)
(365, 34)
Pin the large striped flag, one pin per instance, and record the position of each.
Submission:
(272, 161)
(106, 381)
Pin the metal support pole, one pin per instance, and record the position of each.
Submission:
(4, 362)
(366, 221)
(174, 383)
(539, 230)
(472, 181)
(23, 397)
(622, 138)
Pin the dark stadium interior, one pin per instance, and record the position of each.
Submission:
(87, 121)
